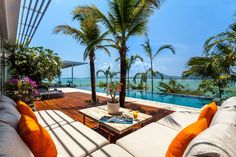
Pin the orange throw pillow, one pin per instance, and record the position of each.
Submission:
(24, 109)
(36, 138)
(208, 112)
(184, 137)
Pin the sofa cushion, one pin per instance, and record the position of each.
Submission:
(184, 137)
(50, 119)
(179, 120)
(224, 116)
(9, 114)
(4, 98)
(36, 137)
(11, 144)
(216, 141)
(110, 150)
(231, 102)
(152, 140)
(24, 109)
(75, 139)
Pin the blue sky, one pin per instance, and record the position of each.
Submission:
(185, 25)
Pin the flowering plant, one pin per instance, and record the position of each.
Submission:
(24, 90)
(113, 89)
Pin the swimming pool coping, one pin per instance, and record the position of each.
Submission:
(150, 103)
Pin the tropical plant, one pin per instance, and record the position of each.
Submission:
(106, 73)
(88, 32)
(129, 62)
(22, 90)
(149, 52)
(126, 18)
(171, 87)
(113, 89)
(36, 62)
(143, 79)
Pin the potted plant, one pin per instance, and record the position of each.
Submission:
(113, 106)
(22, 90)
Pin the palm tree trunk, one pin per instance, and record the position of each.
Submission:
(128, 79)
(123, 74)
(151, 75)
(92, 75)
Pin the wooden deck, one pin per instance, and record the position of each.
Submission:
(72, 102)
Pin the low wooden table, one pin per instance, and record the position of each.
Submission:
(96, 113)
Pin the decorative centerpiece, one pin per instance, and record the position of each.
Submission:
(22, 90)
(113, 106)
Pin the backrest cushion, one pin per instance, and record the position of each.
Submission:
(9, 114)
(11, 144)
(4, 98)
(208, 112)
(36, 137)
(216, 141)
(231, 102)
(184, 137)
(24, 109)
(225, 116)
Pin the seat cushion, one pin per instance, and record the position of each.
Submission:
(11, 144)
(4, 98)
(24, 109)
(150, 141)
(110, 150)
(216, 141)
(9, 114)
(179, 120)
(36, 137)
(50, 119)
(75, 139)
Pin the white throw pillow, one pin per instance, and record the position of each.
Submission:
(216, 141)
(231, 102)
(224, 116)
(11, 145)
(4, 98)
(9, 114)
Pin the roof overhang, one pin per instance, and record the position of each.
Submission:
(67, 64)
(9, 14)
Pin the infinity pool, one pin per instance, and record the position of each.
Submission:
(167, 98)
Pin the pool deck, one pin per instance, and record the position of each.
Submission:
(149, 103)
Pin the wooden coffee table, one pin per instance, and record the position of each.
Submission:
(96, 113)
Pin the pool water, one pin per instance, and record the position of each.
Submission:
(167, 98)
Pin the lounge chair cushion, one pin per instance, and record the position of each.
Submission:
(179, 120)
(50, 119)
(152, 140)
(75, 139)
(9, 114)
(225, 116)
(11, 145)
(4, 98)
(110, 150)
(216, 141)
(231, 102)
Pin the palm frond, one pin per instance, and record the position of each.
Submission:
(164, 47)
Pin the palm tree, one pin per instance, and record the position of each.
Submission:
(126, 18)
(219, 67)
(143, 79)
(106, 73)
(228, 37)
(88, 32)
(112, 75)
(171, 87)
(129, 62)
(148, 50)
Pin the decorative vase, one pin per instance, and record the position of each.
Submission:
(113, 108)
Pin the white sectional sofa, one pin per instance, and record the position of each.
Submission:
(72, 138)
